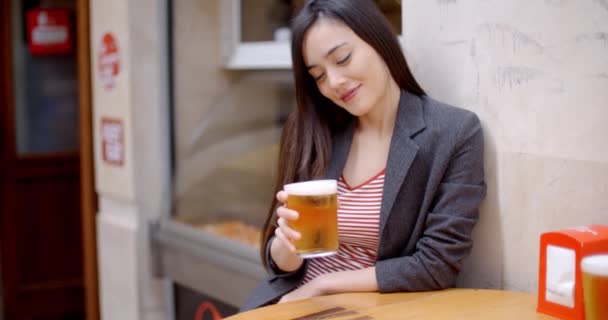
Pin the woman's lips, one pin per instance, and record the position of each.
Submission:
(350, 94)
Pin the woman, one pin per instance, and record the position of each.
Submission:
(363, 119)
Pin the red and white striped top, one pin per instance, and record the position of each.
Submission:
(358, 224)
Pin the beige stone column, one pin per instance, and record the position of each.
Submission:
(132, 151)
(536, 73)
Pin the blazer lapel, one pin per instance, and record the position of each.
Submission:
(402, 152)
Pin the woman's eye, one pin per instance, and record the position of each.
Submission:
(345, 60)
(320, 77)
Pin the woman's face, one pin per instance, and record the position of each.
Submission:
(347, 70)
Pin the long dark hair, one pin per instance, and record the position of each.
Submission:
(306, 140)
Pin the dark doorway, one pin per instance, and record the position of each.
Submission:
(41, 211)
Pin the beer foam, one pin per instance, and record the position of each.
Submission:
(312, 188)
(596, 265)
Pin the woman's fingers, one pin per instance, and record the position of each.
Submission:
(287, 231)
(286, 242)
(287, 214)
(283, 232)
(282, 196)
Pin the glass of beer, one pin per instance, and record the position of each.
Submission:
(316, 202)
(595, 286)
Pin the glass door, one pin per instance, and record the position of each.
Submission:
(40, 222)
(45, 84)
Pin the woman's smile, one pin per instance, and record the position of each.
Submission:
(350, 94)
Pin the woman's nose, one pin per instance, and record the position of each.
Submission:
(335, 79)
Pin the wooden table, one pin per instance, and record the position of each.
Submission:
(446, 304)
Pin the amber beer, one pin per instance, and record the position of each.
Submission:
(317, 204)
(595, 286)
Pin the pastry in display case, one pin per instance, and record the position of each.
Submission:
(235, 230)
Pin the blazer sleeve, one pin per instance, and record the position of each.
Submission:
(454, 210)
(273, 270)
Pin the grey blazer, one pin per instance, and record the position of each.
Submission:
(433, 186)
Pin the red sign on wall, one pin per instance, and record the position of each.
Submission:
(49, 31)
(112, 142)
(108, 61)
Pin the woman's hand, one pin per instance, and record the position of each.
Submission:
(283, 232)
(311, 289)
(361, 280)
(282, 249)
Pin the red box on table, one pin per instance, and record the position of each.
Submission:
(560, 287)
